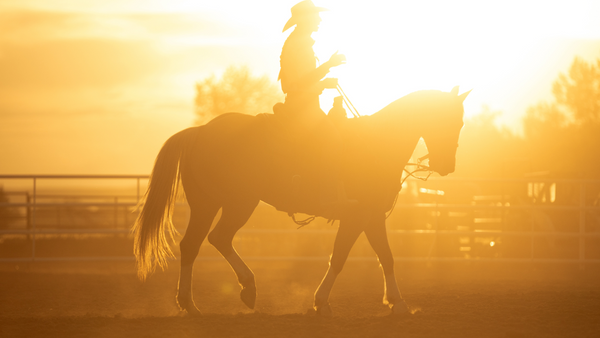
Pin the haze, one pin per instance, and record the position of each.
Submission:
(96, 87)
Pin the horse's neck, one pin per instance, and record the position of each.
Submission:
(391, 135)
(400, 128)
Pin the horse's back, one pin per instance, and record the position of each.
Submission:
(241, 156)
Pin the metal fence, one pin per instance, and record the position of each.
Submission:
(34, 204)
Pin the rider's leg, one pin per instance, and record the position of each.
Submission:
(233, 217)
(333, 191)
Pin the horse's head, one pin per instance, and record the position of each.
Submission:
(443, 120)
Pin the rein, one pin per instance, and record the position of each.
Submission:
(420, 168)
(303, 222)
(347, 100)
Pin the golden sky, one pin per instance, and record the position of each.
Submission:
(96, 86)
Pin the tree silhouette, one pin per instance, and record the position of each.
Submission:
(579, 92)
(236, 91)
(564, 135)
(486, 149)
(561, 136)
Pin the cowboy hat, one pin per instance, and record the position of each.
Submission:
(301, 9)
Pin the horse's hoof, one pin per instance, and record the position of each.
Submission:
(399, 309)
(324, 311)
(193, 311)
(248, 296)
(188, 306)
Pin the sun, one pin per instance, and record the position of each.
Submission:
(394, 48)
(392, 53)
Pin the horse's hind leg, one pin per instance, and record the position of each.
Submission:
(233, 217)
(202, 212)
(377, 236)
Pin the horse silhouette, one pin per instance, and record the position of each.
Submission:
(237, 160)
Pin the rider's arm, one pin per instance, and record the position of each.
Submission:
(314, 79)
(299, 72)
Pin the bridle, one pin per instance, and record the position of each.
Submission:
(420, 168)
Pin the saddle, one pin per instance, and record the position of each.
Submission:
(336, 115)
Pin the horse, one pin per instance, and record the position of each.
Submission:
(237, 160)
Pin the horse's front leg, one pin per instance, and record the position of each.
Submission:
(346, 236)
(377, 236)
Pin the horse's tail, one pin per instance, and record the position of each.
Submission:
(151, 246)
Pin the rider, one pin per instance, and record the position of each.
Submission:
(302, 82)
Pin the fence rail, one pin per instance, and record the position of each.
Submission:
(32, 205)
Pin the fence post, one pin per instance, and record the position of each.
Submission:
(58, 220)
(28, 215)
(434, 241)
(116, 212)
(532, 235)
(125, 216)
(33, 219)
(582, 226)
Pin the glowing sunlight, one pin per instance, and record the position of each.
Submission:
(71, 66)
(300, 168)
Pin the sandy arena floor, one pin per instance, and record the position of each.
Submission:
(106, 300)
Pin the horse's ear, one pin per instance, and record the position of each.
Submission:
(454, 91)
(463, 96)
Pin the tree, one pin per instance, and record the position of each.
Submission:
(236, 91)
(486, 149)
(564, 135)
(579, 92)
(561, 136)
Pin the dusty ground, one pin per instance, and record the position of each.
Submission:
(106, 300)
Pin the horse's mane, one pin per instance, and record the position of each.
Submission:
(421, 99)
(422, 104)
